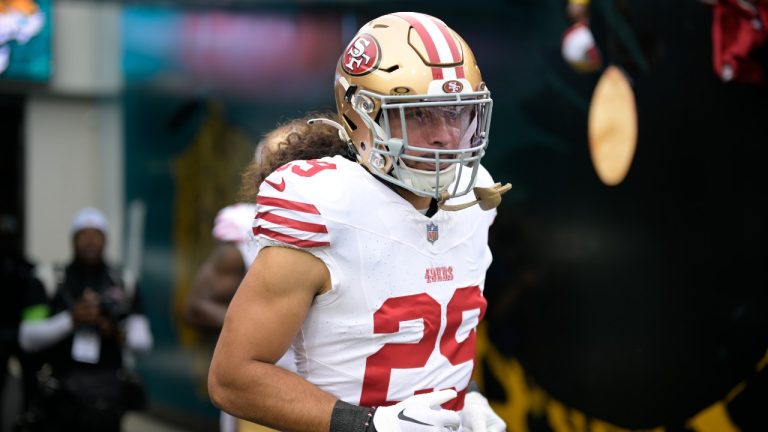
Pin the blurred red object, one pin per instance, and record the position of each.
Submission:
(739, 33)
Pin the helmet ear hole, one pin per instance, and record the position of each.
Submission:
(349, 122)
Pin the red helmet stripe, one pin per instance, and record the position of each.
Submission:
(452, 46)
(426, 39)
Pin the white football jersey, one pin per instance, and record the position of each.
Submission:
(406, 292)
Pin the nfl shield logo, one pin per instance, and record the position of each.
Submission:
(432, 232)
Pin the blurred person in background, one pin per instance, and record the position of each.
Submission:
(21, 292)
(578, 44)
(217, 279)
(95, 315)
(372, 266)
(606, 33)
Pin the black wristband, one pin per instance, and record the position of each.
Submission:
(351, 418)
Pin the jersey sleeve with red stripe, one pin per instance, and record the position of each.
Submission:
(287, 208)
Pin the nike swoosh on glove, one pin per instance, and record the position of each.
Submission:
(418, 413)
(478, 416)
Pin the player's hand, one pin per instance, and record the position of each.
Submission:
(421, 412)
(478, 416)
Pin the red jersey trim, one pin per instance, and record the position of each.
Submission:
(292, 223)
(285, 238)
(287, 204)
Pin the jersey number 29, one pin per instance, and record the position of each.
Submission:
(387, 319)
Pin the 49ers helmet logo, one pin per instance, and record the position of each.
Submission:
(453, 86)
(361, 56)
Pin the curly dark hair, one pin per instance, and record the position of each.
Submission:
(291, 140)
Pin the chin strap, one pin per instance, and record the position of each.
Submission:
(488, 198)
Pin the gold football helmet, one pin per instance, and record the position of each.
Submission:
(411, 101)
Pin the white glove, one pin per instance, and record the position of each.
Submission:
(418, 413)
(478, 416)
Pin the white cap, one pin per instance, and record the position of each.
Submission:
(89, 217)
(234, 223)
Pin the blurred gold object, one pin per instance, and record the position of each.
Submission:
(27, 7)
(246, 426)
(612, 126)
(206, 175)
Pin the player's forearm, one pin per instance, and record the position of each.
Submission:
(269, 395)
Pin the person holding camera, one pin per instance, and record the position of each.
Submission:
(93, 318)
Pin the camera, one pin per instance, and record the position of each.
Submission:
(114, 309)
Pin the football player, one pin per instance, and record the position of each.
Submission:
(372, 269)
(220, 274)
